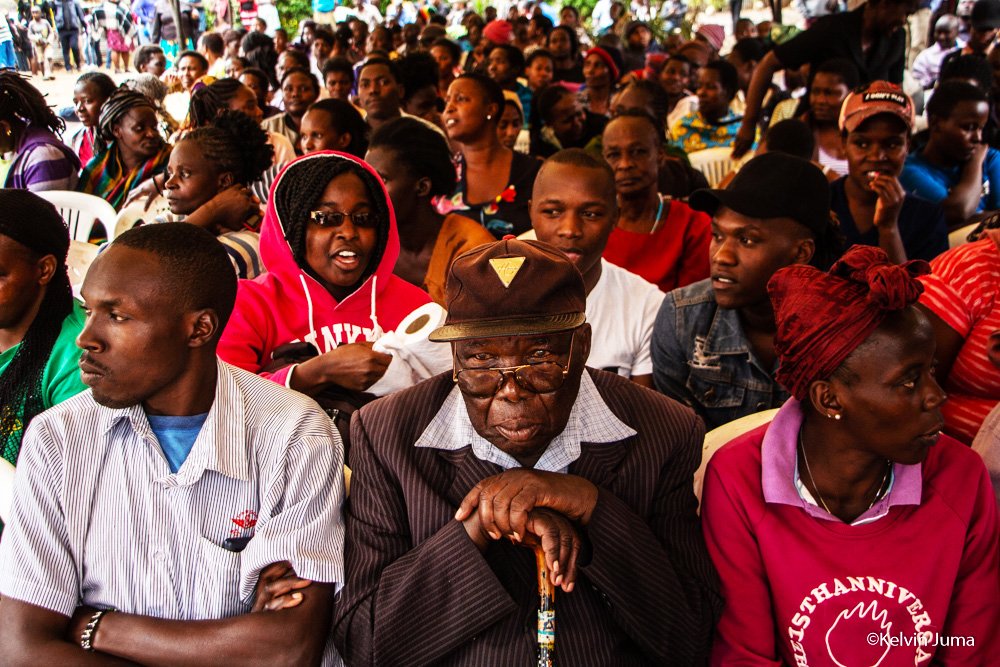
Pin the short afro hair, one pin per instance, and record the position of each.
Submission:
(196, 268)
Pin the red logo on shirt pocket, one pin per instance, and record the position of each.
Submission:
(246, 520)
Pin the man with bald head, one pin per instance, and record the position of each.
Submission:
(521, 445)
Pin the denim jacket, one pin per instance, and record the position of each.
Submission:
(702, 358)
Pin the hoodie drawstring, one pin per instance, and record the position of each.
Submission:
(376, 329)
(309, 302)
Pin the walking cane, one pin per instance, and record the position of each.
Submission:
(546, 611)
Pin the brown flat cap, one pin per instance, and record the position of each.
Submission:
(512, 288)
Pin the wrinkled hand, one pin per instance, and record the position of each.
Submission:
(503, 502)
(744, 140)
(890, 200)
(278, 587)
(227, 211)
(560, 543)
(356, 366)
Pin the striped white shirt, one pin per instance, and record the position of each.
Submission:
(590, 420)
(99, 519)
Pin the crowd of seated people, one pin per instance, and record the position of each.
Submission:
(438, 337)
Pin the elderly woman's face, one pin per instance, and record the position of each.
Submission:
(888, 396)
(137, 133)
(518, 420)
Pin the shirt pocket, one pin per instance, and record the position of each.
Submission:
(219, 582)
(714, 387)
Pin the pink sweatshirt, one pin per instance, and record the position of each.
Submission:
(804, 590)
(287, 305)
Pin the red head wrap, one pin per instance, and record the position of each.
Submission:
(823, 317)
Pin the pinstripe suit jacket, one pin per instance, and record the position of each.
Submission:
(418, 591)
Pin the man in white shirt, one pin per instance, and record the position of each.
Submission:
(574, 208)
(151, 511)
(927, 66)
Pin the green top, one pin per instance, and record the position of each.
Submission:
(61, 377)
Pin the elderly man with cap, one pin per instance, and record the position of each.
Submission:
(521, 444)
(713, 341)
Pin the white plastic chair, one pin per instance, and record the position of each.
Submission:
(714, 163)
(717, 437)
(136, 213)
(81, 255)
(958, 237)
(80, 211)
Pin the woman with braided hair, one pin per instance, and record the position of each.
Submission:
(207, 182)
(849, 530)
(39, 320)
(30, 130)
(329, 244)
(208, 102)
(129, 149)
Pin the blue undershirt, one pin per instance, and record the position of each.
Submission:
(176, 436)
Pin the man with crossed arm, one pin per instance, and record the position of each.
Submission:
(150, 510)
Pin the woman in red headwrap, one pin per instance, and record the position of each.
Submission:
(850, 531)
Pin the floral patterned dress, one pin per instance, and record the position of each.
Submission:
(508, 212)
(694, 133)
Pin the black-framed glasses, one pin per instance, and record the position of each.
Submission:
(540, 378)
(336, 219)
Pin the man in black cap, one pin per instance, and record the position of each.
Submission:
(528, 446)
(713, 341)
(983, 32)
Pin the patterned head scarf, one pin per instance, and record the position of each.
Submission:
(823, 317)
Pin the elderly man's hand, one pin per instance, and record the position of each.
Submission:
(560, 543)
(504, 501)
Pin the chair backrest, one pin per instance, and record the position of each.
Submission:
(960, 235)
(137, 213)
(80, 211)
(717, 437)
(81, 255)
(714, 163)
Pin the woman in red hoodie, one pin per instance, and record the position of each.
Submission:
(329, 244)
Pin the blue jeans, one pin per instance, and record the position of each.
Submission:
(8, 59)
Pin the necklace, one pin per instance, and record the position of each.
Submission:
(659, 214)
(819, 496)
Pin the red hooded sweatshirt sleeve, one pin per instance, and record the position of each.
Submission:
(287, 305)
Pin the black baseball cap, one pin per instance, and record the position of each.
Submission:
(773, 185)
(986, 14)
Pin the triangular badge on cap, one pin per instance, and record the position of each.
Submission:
(506, 268)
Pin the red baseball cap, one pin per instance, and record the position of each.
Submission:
(875, 98)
